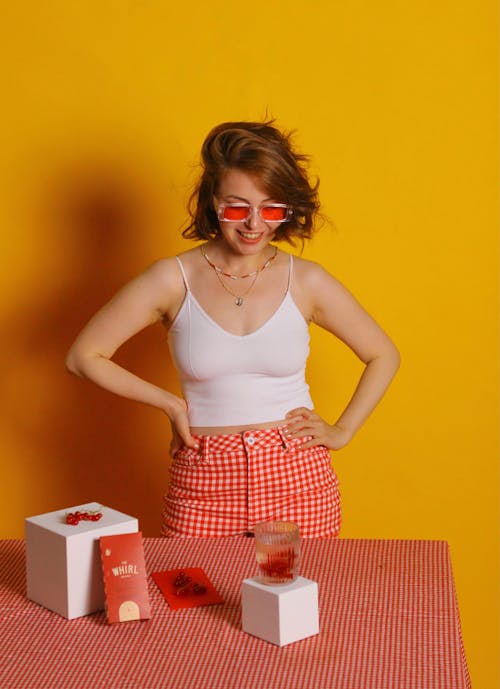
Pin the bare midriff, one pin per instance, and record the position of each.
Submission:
(231, 430)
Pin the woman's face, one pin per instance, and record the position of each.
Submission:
(252, 235)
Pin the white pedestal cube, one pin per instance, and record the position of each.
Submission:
(63, 565)
(280, 614)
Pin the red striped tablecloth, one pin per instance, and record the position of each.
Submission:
(388, 620)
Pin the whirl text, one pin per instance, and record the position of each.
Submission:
(124, 569)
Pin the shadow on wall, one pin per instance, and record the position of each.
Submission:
(83, 443)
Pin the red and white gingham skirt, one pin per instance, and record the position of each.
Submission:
(233, 482)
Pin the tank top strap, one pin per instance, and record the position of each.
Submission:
(186, 283)
(290, 272)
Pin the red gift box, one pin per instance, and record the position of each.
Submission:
(125, 582)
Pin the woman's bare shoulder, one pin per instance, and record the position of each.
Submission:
(163, 272)
(168, 268)
(160, 284)
(165, 276)
(310, 273)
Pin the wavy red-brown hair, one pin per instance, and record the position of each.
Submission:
(259, 149)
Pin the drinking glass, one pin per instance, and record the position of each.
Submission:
(278, 551)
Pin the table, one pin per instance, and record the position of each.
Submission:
(388, 620)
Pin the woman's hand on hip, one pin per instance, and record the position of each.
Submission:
(303, 422)
(181, 434)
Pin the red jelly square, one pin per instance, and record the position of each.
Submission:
(186, 588)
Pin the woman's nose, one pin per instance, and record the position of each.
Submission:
(254, 220)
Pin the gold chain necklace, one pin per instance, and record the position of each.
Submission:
(238, 299)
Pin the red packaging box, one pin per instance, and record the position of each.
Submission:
(125, 580)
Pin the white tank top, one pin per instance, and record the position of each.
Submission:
(230, 380)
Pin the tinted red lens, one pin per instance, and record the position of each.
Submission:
(236, 212)
(273, 213)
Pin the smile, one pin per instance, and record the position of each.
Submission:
(250, 235)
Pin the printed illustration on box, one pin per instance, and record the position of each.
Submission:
(125, 580)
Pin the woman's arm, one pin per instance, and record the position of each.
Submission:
(146, 299)
(332, 307)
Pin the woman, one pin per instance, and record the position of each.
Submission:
(246, 442)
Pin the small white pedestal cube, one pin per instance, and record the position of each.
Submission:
(63, 565)
(280, 614)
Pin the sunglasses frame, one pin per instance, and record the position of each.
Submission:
(222, 206)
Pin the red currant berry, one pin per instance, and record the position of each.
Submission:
(199, 590)
(182, 579)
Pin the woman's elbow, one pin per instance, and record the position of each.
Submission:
(394, 356)
(73, 363)
(388, 356)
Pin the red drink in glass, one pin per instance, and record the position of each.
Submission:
(278, 551)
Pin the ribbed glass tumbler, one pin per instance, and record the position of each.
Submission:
(278, 552)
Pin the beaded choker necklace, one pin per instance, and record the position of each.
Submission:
(239, 277)
(238, 299)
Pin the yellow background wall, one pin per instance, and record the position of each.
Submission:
(105, 105)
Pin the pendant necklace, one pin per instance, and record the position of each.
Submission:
(238, 299)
